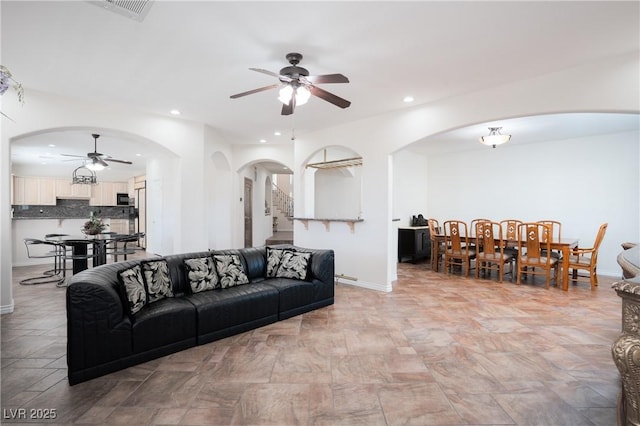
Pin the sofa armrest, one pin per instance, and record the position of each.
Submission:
(98, 328)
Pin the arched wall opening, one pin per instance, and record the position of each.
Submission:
(552, 168)
(255, 216)
(332, 178)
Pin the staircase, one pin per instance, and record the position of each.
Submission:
(282, 201)
(283, 210)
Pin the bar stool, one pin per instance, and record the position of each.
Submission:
(35, 252)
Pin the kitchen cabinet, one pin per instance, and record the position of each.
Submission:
(105, 193)
(414, 242)
(119, 226)
(65, 189)
(33, 191)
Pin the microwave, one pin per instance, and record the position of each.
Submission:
(122, 199)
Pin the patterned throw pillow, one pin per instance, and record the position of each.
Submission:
(294, 265)
(157, 278)
(202, 274)
(274, 256)
(133, 284)
(230, 270)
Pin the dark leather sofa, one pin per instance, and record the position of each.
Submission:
(102, 337)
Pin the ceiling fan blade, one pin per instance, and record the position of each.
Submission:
(100, 161)
(251, 92)
(267, 72)
(329, 97)
(113, 160)
(287, 109)
(71, 155)
(327, 78)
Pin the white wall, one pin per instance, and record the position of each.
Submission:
(410, 192)
(580, 182)
(338, 193)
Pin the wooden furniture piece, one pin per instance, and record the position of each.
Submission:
(457, 251)
(414, 242)
(554, 233)
(587, 259)
(490, 255)
(626, 350)
(437, 244)
(510, 236)
(531, 260)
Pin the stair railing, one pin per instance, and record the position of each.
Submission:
(282, 201)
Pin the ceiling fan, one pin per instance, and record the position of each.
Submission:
(96, 160)
(296, 85)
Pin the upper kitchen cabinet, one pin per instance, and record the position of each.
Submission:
(33, 190)
(106, 193)
(65, 189)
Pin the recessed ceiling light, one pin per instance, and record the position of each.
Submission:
(52, 145)
(277, 133)
(175, 112)
(408, 99)
(263, 141)
(138, 155)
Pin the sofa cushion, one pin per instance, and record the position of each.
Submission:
(201, 273)
(294, 265)
(132, 288)
(165, 322)
(274, 257)
(157, 279)
(229, 307)
(230, 270)
(293, 293)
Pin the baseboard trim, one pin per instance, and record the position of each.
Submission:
(364, 284)
(7, 309)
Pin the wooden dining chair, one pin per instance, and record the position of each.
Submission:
(490, 255)
(587, 259)
(510, 236)
(437, 245)
(553, 234)
(531, 246)
(457, 250)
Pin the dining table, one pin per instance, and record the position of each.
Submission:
(564, 245)
(80, 248)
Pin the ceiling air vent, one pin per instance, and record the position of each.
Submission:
(133, 9)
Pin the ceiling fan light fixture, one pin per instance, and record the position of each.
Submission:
(494, 138)
(302, 94)
(94, 165)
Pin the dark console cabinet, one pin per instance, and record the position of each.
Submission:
(414, 242)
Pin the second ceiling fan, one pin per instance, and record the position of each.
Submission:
(296, 85)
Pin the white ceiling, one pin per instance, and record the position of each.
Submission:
(193, 55)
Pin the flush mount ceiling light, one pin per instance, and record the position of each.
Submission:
(494, 138)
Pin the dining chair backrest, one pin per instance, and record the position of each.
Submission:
(455, 233)
(40, 249)
(510, 229)
(473, 225)
(555, 231)
(531, 238)
(598, 241)
(434, 227)
(488, 236)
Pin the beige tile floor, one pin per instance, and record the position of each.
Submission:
(438, 350)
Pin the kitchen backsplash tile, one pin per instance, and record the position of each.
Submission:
(69, 209)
